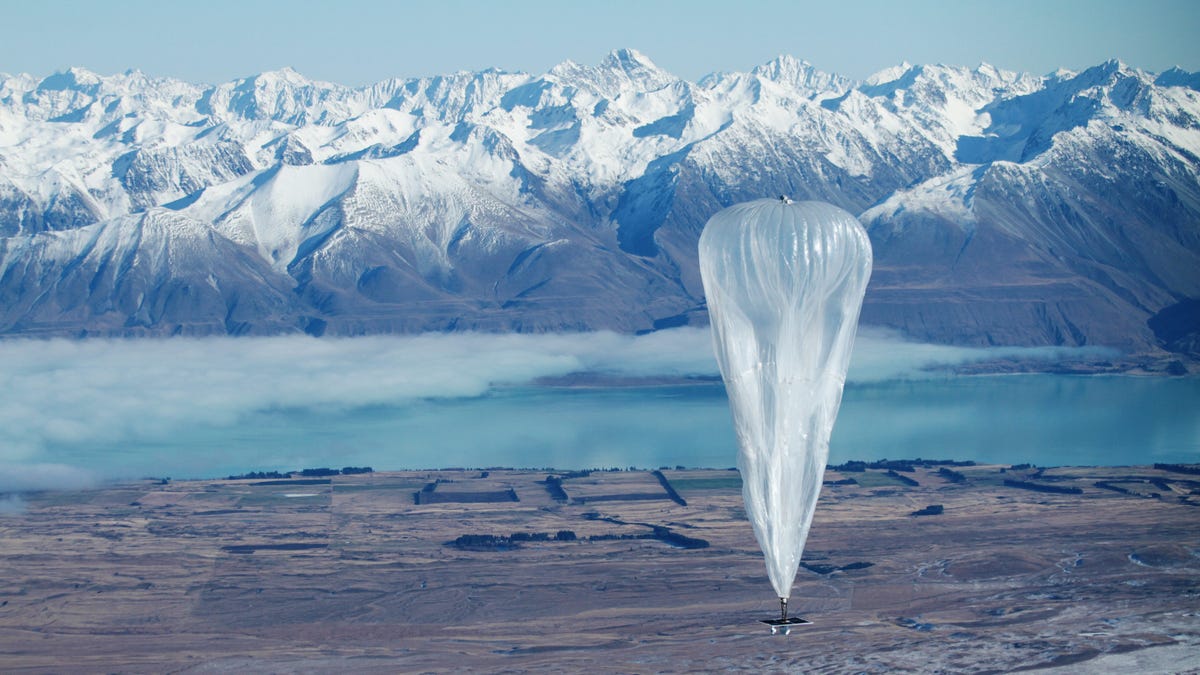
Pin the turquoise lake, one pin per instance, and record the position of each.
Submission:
(1047, 420)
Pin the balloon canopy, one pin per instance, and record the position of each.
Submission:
(784, 282)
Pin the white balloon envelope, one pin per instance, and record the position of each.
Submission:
(785, 282)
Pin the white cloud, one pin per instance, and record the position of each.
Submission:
(63, 396)
(881, 355)
(36, 476)
(11, 504)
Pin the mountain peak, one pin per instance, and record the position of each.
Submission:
(783, 67)
(787, 69)
(637, 67)
(1178, 77)
(72, 78)
(614, 74)
(1106, 74)
(284, 75)
(628, 59)
(985, 68)
(889, 74)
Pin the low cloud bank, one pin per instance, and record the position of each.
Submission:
(11, 505)
(63, 396)
(881, 355)
(37, 476)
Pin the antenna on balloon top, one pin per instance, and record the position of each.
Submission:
(785, 199)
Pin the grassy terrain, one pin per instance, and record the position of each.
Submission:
(368, 487)
(871, 478)
(733, 482)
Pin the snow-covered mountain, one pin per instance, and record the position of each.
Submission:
(1004, 208)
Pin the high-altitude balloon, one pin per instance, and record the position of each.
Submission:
(785, 283)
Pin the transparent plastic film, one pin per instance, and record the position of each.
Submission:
(785, 282)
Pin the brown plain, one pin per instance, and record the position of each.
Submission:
(353, 576)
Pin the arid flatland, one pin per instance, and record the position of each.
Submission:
(606, 571)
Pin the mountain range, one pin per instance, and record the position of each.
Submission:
(1003, 208)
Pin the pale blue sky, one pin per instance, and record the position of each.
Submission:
(361, 41)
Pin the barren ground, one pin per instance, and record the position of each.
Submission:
(353, 576)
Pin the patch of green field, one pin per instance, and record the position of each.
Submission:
(207, 495)
(995, 479)
(276, 498)
(118, 497)
(76, 497)
(365, 487)
(695, 484)
(60, 498)
(871, 478)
